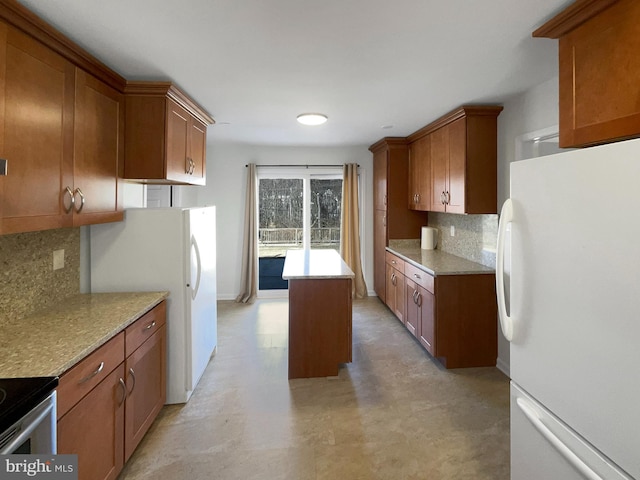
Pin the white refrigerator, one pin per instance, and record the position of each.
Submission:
(574, 313)
(171, 249)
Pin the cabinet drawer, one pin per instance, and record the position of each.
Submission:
(421, 277)
(143, 328)
(395, 261)
(86, 374)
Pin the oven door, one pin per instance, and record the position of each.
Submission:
(34, 433)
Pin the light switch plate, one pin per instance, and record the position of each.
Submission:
(58, 259)
(3, 167)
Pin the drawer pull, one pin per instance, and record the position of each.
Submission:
(124, 390)
(92, 374)
(133, 376)
(417, 276)
(151, 325)
(393, 262)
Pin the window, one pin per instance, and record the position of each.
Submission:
(298, 208)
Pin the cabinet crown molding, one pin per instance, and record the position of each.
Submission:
(463, 111)
(388, 142)
(16, 15)
(168, 89)
(571, 17)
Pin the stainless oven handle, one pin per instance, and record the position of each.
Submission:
(33, 424)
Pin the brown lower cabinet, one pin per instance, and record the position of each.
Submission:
(108, 401)
(454, 317)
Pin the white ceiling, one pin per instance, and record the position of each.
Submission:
(257, 64)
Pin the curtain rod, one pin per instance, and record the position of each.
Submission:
(306, 166)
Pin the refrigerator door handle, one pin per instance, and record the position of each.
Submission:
(194, 248)
(562, 448)
(506, 322)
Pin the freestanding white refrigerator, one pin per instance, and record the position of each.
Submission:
(574, 319)
(170, 249)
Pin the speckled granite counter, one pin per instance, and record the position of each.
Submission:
(437, 262)
(53, 340)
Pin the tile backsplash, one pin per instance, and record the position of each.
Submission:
(475, 236)
(27, 280)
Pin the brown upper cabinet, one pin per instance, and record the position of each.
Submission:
(599, 67)
(166, 135)
(61, 172)
(420, 174)
(461, 151)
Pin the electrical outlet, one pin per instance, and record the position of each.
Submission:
(58, 259)
(453, 231)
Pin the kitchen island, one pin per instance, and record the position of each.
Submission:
(320, 313)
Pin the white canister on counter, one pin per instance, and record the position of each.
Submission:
(429, 238)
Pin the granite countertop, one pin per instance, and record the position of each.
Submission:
(49, 342)
(301, 264)
(436, 262)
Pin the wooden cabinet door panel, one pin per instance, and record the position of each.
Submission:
(412, 312)
(380, 180)
(94, 430)
(427, 323)
(599, 70)
(197, 150)
(395, 283)
(420, 174)
(145, 370)
(98, 152)
(439, 160)
(36, 134)
(177, 142)
(456, 166)
(379, 245)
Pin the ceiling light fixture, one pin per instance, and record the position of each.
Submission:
(312, 118)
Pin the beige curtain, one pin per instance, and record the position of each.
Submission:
(350, 228)
(249, 281)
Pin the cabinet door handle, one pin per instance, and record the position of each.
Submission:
(79, 192)
(417, 198)
(442, 198)
(415, 292)
(393, 279)
(150, 326)
(124, 390)
(4, 165)
(419, 299)
(384, 199)
(72, 199)
(133, 376)
(447, 197)
(193, 166)
(92, 374)
(384, 221)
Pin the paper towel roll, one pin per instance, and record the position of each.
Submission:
(429, 238)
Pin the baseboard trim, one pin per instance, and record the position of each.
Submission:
(503, 367)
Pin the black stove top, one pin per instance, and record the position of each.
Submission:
(19, 395)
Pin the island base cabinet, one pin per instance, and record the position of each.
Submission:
(319, 326)
(93, 429)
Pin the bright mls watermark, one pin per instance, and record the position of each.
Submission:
(50, 467)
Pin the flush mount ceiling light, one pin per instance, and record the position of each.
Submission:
(312, 118)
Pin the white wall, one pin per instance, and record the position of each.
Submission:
(226, 183)
(533, 110)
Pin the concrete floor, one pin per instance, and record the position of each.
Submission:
(394, 413)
